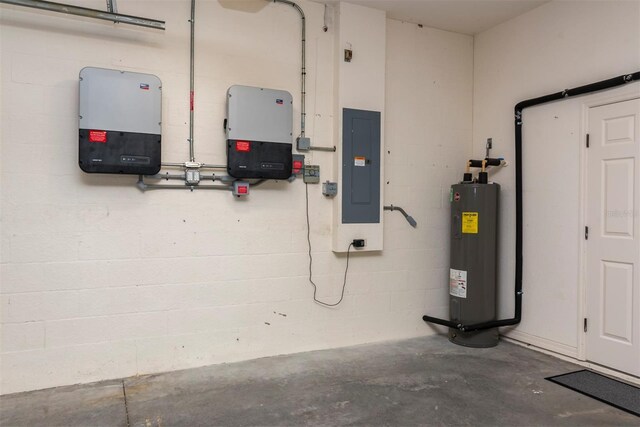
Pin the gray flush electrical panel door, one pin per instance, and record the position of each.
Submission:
(360, 166)
(120, 122)
(259, 131)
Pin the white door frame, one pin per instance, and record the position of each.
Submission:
(626, 93)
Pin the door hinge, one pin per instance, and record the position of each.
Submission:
(586, 233)
(584, 323)
(587, 140)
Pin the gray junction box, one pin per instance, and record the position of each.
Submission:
(472, 274)
(259, 131)
(120, 122)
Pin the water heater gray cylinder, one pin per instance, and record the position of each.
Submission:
(472, 274)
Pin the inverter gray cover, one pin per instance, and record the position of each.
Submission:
(120, 114)
(259, 114)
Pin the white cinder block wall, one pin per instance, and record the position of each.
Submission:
(556, 46)
(101, 281)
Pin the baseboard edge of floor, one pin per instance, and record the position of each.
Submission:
(585, 364)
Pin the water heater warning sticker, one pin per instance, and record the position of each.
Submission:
(458, 283)
(470, 222)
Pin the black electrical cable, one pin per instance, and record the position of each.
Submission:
(315, 287)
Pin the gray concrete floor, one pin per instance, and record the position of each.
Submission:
(424, 381)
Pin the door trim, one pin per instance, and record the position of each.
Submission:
(626, 93)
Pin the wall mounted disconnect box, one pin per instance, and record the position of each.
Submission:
(120, 122)
(259, 133)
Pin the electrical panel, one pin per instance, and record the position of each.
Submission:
(360, 166)
(120, 122)
(259, 131)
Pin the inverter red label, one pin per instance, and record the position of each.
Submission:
(243, 146)
(98, 136)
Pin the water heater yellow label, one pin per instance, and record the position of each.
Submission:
(470, 222)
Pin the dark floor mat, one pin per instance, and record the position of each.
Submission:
(615, 393)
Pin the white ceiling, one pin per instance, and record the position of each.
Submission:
(460, 16)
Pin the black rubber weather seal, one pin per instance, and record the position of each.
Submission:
(520, 106)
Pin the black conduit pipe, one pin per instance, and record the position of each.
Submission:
(567, 93)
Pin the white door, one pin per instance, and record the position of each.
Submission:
(613, 241)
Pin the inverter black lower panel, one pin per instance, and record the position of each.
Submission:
(119, 152)
(259, 159)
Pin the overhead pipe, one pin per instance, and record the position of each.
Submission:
(518, 109)
(88, 13)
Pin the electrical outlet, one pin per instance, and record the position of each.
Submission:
(311, 174)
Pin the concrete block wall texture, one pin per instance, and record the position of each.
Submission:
(101, 281)
(556, 46)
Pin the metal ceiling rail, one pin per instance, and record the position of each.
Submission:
(88, 13)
